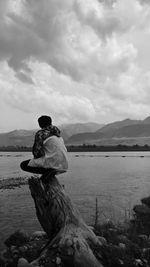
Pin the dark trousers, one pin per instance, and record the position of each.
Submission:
(38, 170)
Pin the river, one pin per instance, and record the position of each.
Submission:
(117, 179)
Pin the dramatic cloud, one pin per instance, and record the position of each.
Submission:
(76, 60)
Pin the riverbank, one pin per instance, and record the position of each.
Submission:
(124, 245)
(85, 148)
(11, 183)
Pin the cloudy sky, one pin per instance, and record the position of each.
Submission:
(75, 60)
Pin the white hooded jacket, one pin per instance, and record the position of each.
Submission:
(55, 155)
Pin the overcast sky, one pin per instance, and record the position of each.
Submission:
(76, 60)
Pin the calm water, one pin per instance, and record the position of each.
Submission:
(117, 179)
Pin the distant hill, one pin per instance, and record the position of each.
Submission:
(146, 121)
(137, 130)
(26, 137)
(68, 130)
(83, 138)
(126, 131)
(17, 138)
(119, 124)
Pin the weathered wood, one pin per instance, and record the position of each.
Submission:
(71, 241)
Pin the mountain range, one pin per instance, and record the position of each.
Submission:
(127, 131)
(26, 137)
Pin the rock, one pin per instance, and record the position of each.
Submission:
(23, 249)
(142, 240)
(17, 239)
(103, 228)
(123, 239)
(138, 262)
(22, 262)
(111, 235)
(113, 256)
(15, 254)
(122, 246)
(141, 210)
(58, 260)
(109, 224)
(5, 254)
(38, 234)
(12, 248)
(143, 237)
(32, 249)
(146, 201)
(146, 253)
(102, 240)
(121, 262)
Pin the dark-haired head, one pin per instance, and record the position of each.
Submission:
(44, 121)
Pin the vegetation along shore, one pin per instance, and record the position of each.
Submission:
(83, 148)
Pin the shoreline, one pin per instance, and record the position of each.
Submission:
(11, 183)
(86, 148)
(122, 245)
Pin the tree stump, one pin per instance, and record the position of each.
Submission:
(71, 241)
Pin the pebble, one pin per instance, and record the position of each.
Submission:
(68, 243)
(122, 239)
(138, 262)
(122, 245)
(143, 237)
(58, 260)
(38, 234)
(12, 248)
(22, 262)
(146, 252)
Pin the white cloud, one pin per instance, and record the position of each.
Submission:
(42, 96)
(51, 32)
(76, 60)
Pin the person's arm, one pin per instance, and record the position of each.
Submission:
(37, 149)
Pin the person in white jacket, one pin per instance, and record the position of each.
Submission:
(49, 150)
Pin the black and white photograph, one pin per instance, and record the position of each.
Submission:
(74, 133)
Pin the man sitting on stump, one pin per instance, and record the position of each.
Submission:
(49, 151)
